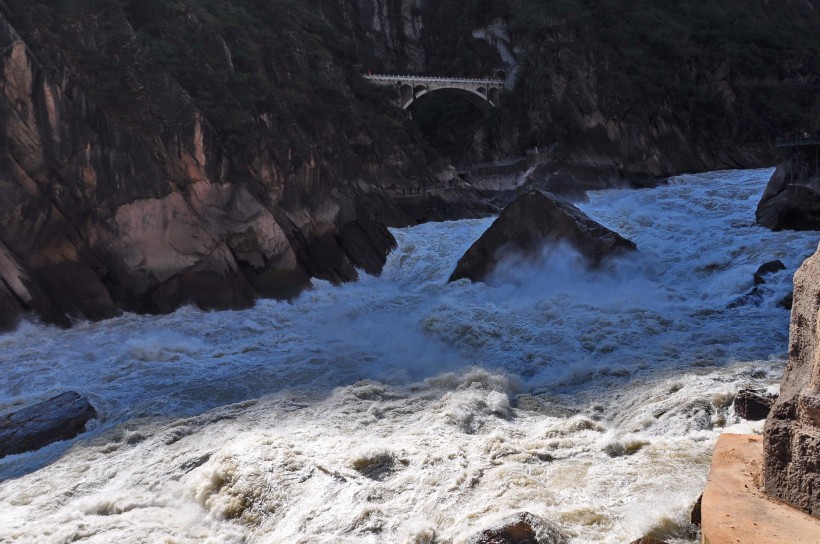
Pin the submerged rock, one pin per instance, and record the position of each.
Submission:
(59, 418)
(790, 204)
(754, 297)
(521, 528)
(792, 431)
(533, 220)
(648, 540)
(766, 269)
(753, 405)
(756, 294)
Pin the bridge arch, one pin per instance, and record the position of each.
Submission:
(475, 98)
(483, 93)
(406, 93)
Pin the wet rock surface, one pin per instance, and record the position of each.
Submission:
(522, 528)
(756, 294)
(792, 430)
(528, 225)
(753, 405)
(768, 268)
(696, 516)
(59, 418)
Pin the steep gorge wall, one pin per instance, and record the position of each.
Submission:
(139, 171)
(635, 92)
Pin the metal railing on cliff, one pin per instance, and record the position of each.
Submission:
(794, 140)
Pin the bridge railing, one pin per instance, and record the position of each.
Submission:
(380, 77)
(794, 140)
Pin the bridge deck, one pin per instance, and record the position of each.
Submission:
(434, 79)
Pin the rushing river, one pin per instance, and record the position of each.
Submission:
(404, 409)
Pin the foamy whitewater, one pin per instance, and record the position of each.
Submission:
(405, 409)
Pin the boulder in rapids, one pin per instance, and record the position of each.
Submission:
(521, 528)
(768, 268)
(59, 418)
(790, 204)
(791, 437)
(536, 219)
(753, 405)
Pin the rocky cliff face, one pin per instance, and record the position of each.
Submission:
(792, 431)
(789, 202)
(155, 156)
(635, 94)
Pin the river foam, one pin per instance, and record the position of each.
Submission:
(405, 409)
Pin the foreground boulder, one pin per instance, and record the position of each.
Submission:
(790, 205)
(521, 528)
(528, 224)
(753, 405)
(792, 433)
(59, 418)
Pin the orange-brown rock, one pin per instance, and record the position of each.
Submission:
(736, 509)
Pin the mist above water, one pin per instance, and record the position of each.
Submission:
(405, 409)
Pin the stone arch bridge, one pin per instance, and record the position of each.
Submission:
(483, 93)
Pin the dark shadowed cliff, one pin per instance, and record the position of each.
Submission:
(160, 153)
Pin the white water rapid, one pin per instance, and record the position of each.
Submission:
(402, 409)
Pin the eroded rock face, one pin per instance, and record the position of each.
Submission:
(790, 205)
(792, 433)
(528, 224)
(59, 418)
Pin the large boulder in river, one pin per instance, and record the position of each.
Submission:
(791, 471)
(521, 528)
(788, 203)
(59, 418)
(529, 223)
